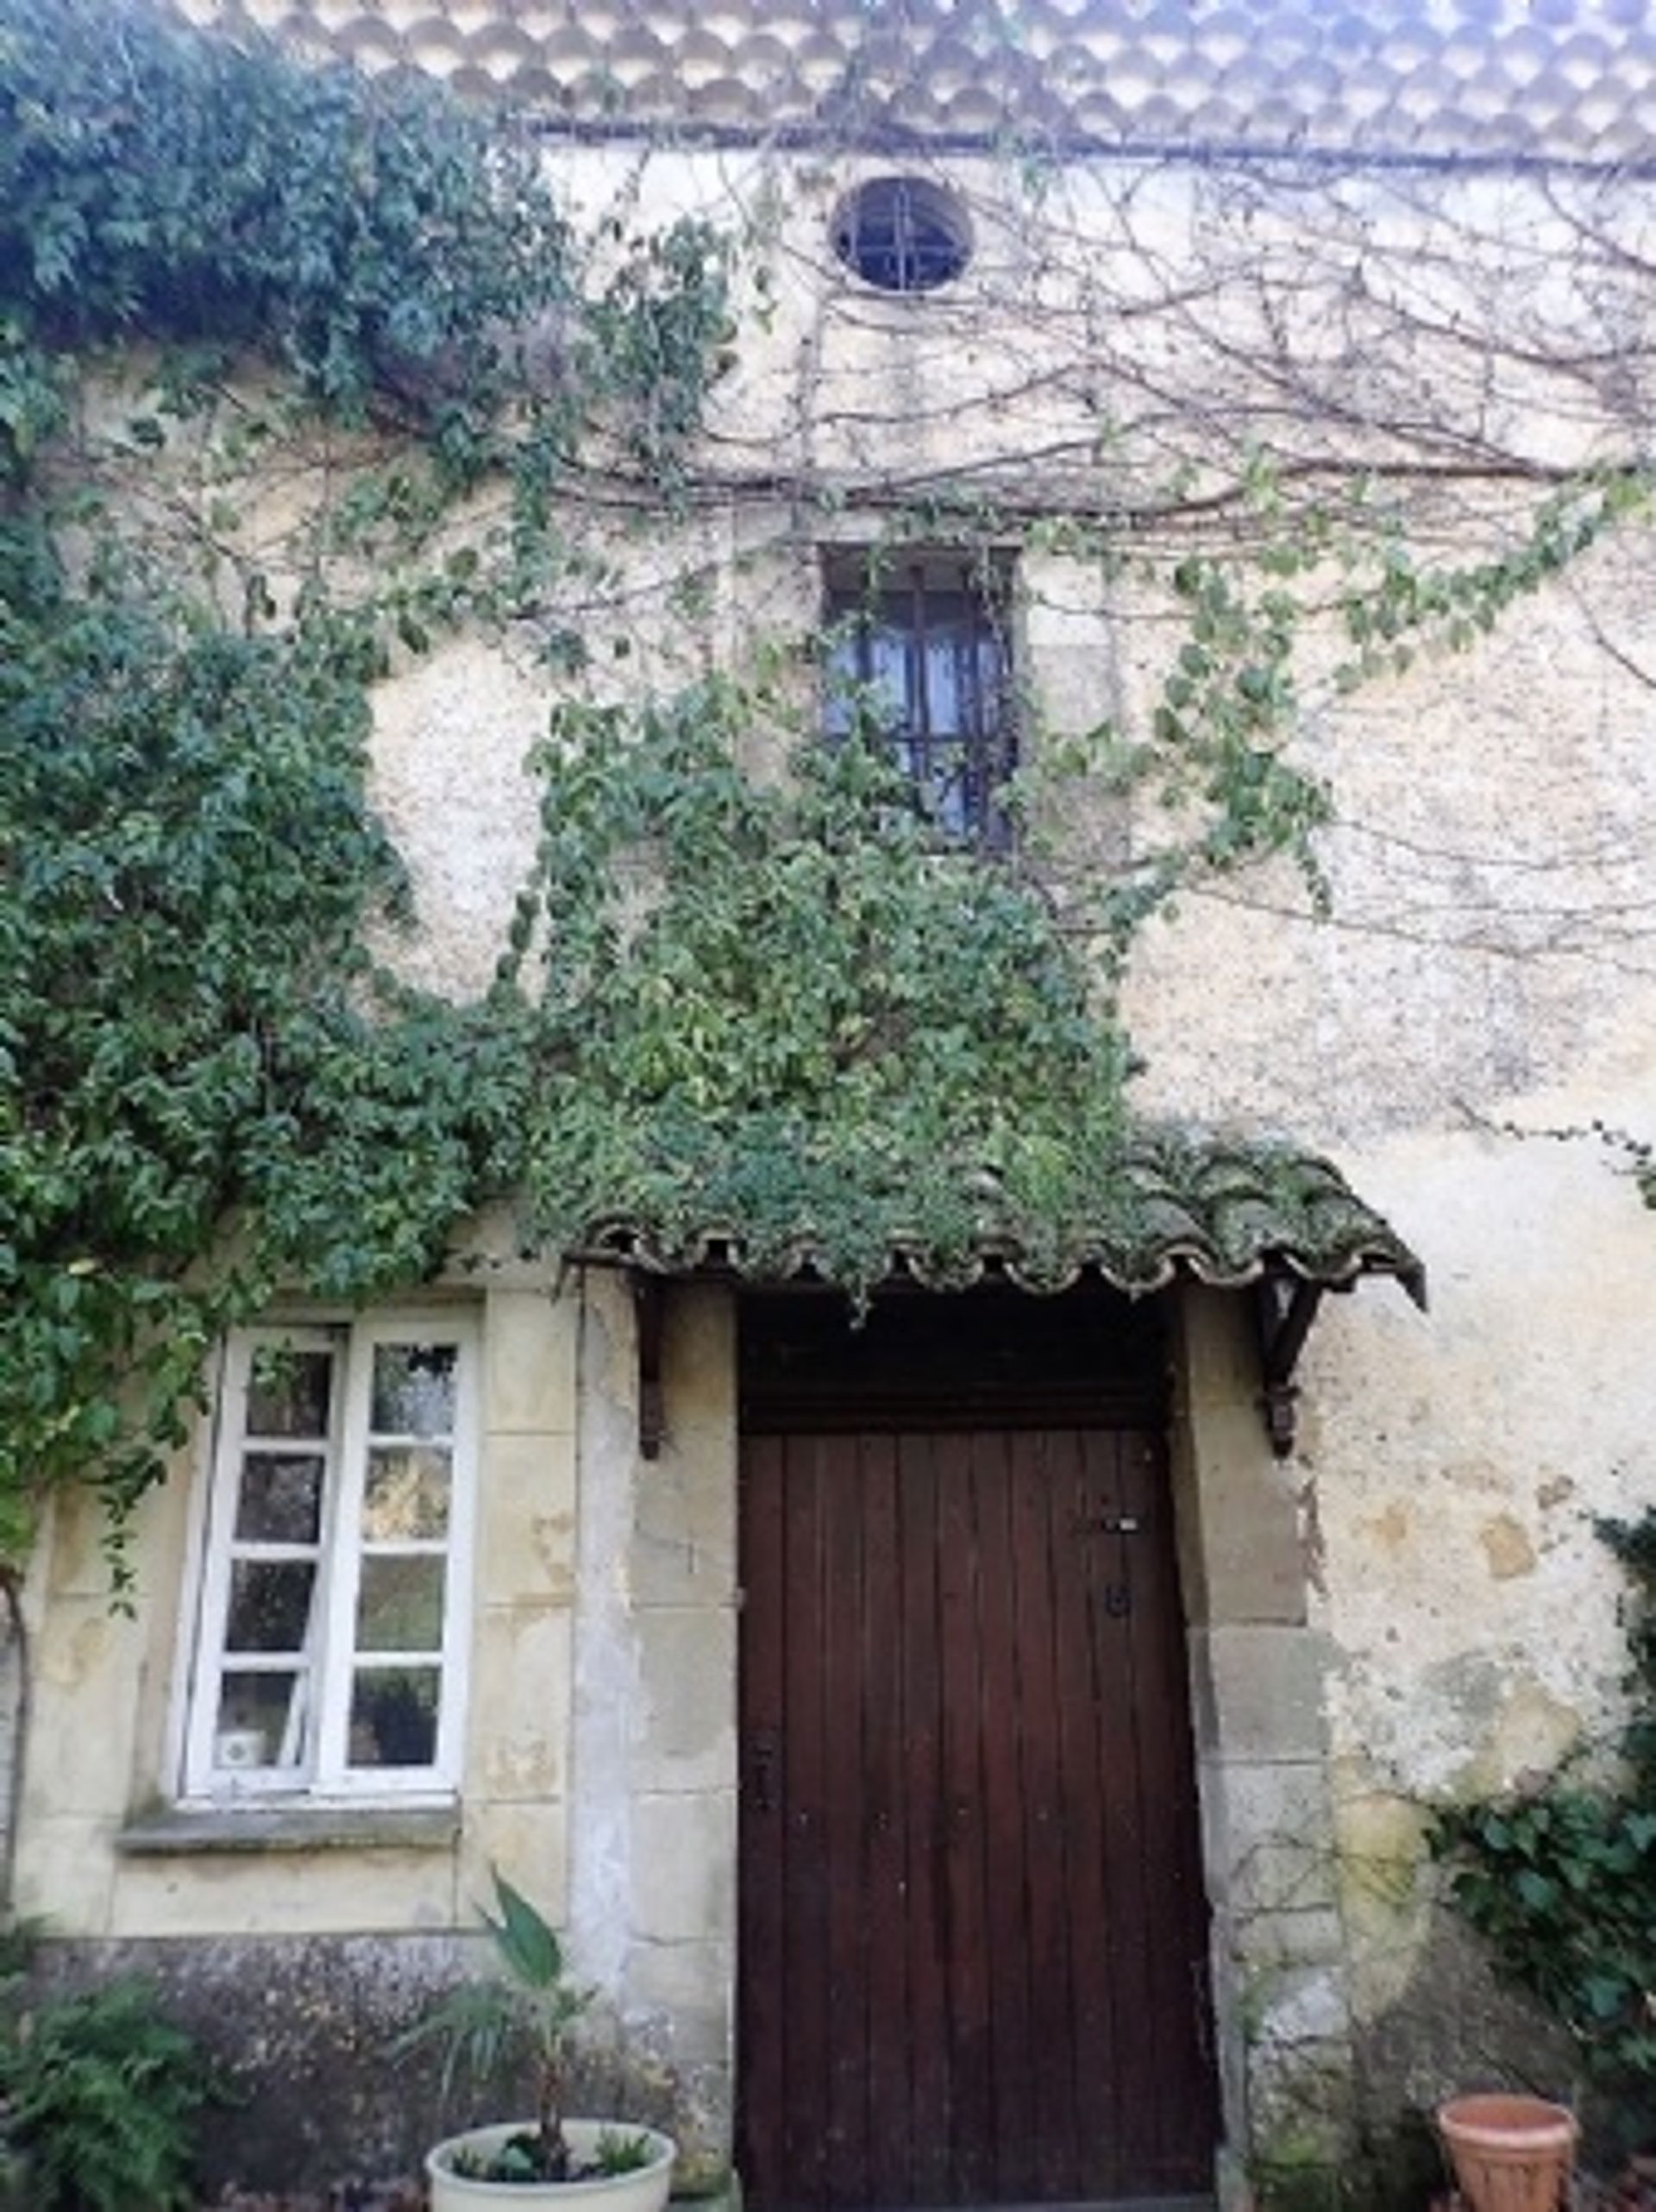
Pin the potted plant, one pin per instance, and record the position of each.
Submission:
(1509, 2153)
(528, 2009)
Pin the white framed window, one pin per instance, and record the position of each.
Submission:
(335, 1566)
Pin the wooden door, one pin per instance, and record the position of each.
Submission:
(973, 1936)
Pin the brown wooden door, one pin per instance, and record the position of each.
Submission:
(973, 1934)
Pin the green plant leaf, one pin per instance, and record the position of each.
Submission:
(527, 1944)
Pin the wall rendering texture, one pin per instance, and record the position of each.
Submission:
(1414, 1603)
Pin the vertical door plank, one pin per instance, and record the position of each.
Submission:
(1106, 1597)
(964, 1840)
(805, 1889)
(926, 1932)
(1066, 1932)
(887, 1785)
(1004, 1722)
(1133, 1639)
(1165, 1796)
(846, 2116)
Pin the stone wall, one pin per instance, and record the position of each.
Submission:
(600, 1752)
(1257, 1674)
(1413, 1605)
(303, 2027)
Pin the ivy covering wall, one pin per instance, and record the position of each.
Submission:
(257, 275)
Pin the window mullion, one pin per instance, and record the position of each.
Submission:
(919, 692)
(457, 1579)
(332, 1669)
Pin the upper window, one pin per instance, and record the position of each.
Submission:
(918, 650)
(333, 1600)
(902, 233)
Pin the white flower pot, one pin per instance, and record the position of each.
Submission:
(644, 2190)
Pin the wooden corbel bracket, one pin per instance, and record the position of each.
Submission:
(1286, 1307)
(648, 1300)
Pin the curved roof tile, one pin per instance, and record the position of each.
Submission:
(1553, 80)
(1221, 1211)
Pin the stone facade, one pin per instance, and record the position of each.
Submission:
(1411, 1605)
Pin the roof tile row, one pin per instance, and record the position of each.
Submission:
(1566, 80)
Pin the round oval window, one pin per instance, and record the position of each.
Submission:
(902, 233)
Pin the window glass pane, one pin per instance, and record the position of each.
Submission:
(948, 803)
(261, 1721)
(406, 1492)
(399, 1604)
(942, 701)
(270, 1605)
(289, 1392)
(394, 1716)
(909, 754)
(840, 686)
(280, 1497)
(891, 675)
(988, 683)
(413, 1390)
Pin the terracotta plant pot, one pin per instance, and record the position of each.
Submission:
(1509, 2153)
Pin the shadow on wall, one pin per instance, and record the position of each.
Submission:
(320, 2117)
(1453, 2028)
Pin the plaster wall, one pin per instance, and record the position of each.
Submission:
(1118, 316)
(1486, 973)
(1484, 978)
(1414, 1603)
(601, 1677)
(1480, 1000)
(103, 1746)
(1440, 1616)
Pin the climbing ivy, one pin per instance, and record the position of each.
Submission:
(395, 251)
(208, 1087)
(777, 1011)
(196, 1055)
(1560, 1878)
(159, 186)
(767, 1005)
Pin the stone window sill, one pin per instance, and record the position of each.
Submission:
(184, 1830)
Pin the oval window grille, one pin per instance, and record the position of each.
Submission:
(902, 233)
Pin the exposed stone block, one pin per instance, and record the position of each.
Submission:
(291, 1894)
(529, 1374)
(1259, 1691)
(526, 1519)
(683, 1867)
(689, 1676)
(1296, 2005)
(1285, 1937)
(1270, 1847)
(520, 1688)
